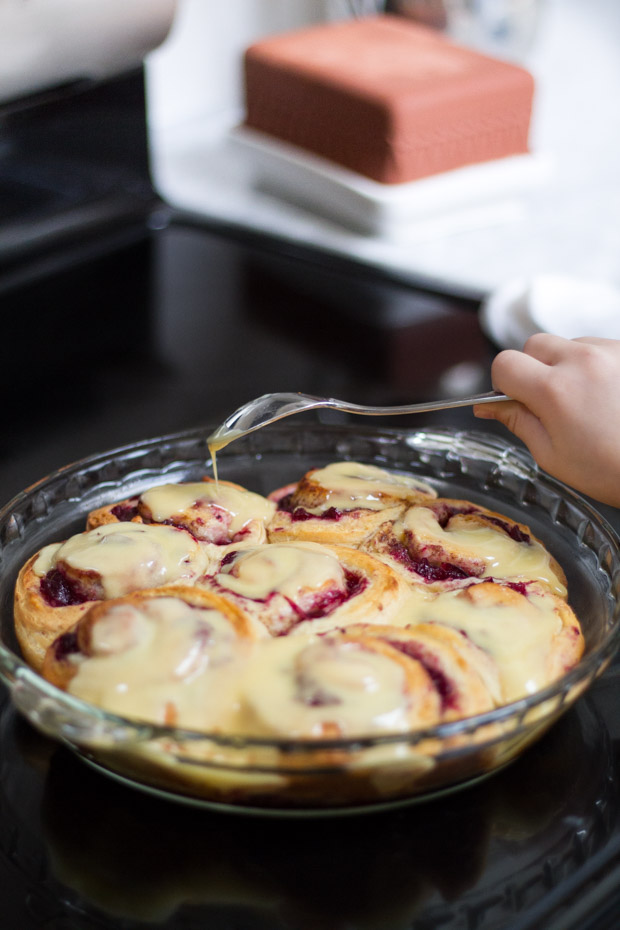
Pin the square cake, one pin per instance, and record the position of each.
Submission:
(387, 98)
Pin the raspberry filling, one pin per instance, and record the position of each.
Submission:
(59, 590)
(445, 571)
(317, 605)
(443, 685)
(519, 586)
(323, 603)
(444, 512)
(300, 513)
(212, 526)
(126, 511)
(228, 558)
(312, 694)
(510, 528)
(65, 645)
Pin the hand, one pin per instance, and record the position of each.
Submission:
(566, 409)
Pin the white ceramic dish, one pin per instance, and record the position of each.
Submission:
(475, 195)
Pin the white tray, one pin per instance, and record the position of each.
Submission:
(482, 193)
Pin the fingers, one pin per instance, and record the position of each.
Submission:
(519, 376)
(528, 376)
(547, 348)
(521, 422)
(595, 340)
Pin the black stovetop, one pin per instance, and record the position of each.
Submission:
(535, 846)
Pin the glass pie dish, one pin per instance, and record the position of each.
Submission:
(251, 773)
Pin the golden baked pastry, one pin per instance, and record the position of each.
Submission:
(217, 512)
(59, 583)
(533, 637)
(334, 686)
(168, 656)
(342, 503)
(444, 544)
(308, 585)
(370, 606)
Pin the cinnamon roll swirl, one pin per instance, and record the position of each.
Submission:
(166, 656)
(308, 585)
(466, 678)
(335, 686)
(217, 513)
(342, 503)
(444, 544)
(59, 583)
(533, 637)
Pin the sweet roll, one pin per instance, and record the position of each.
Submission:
(217, 513)
(286, 585)
(343, 503)
(444, 544)
(533, 637)
(59, 583)
(167, 656)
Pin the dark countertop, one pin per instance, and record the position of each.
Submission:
(150, 330)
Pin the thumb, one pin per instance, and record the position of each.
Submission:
(520, 421)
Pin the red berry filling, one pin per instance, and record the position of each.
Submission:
(445, 571)
(300, 513)
(444, 512)
(325, 602)
(443, 685)
(519, 586)
(312, 694)
(65, 645)
(59, 590)
(126, 510)
(511, 529)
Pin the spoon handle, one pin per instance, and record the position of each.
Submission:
(272, 407)
(486, 398)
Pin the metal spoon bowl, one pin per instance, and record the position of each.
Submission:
(272, 407)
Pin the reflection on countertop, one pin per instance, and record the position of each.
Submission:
(117, 857)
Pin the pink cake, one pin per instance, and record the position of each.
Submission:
(387, 98)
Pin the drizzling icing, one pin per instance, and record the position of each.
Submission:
(219, 440)
(128, 556)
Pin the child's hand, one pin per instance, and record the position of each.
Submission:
(566, 409)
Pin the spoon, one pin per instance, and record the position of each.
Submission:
(271, 407)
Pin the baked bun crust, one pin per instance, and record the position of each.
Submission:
(336, 686)
(59, 583)
(37, 623)
(306, 585)
(169, 656)
(444, 544)
(533, 637)
(342, 503)
(217, 513)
